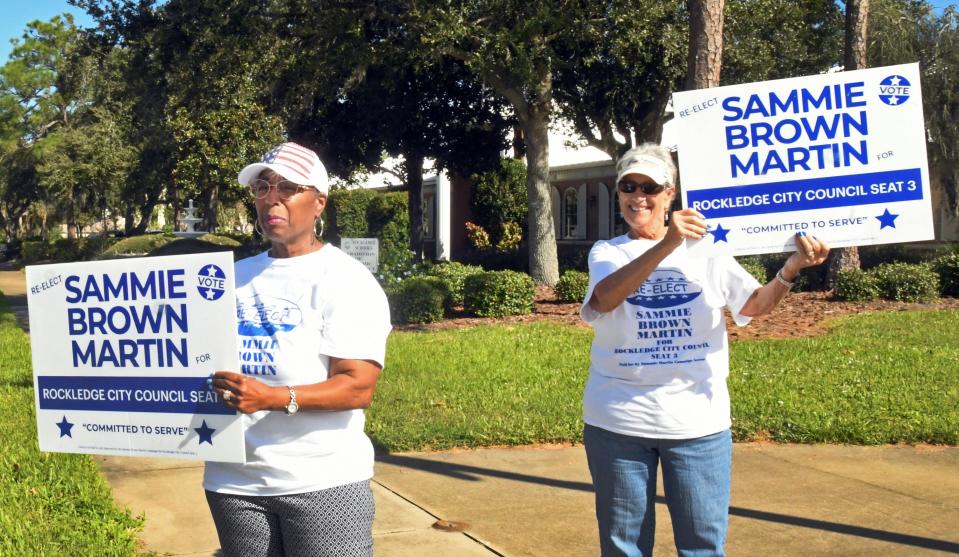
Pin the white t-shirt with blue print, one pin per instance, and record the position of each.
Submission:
(659, 361)
(293, 314)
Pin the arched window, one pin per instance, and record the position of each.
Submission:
(605, 213)
(429, 216)
(570, 213)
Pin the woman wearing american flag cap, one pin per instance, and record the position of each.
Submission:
(312, 325)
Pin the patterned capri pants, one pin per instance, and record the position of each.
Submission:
(327, 523)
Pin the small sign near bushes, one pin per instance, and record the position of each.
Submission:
(364, 250)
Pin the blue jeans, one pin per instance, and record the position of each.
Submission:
(696, 476)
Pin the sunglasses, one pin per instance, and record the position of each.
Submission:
(285, 189)
(647, 188)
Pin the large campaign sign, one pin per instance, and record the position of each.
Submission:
(121, 354)
(841, 156)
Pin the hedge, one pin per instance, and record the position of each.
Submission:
(367, 214)
(856, 286)
(572, 286)
(498, 293)
(905, 282)
(947, 267)
(453, 274)
(418, 300)
(346, 214)
(754, 266)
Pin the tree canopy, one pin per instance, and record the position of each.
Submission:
(165, 101)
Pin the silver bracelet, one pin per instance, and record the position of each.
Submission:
(782, 281)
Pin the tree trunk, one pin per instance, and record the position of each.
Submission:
(212, 202)
(705, 43)
(543, 261)
(414, 185)
(71, 216)
(854, 58)
(857, 17)
(128, 225)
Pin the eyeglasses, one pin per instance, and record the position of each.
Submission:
(647, 188)
(285, 189)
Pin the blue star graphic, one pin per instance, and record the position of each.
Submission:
(65, 428)
(887, 219)
(719, 234)
(205, 433)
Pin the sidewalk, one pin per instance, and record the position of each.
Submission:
(787, 500)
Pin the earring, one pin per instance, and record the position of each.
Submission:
(322, 227)
(257, 228)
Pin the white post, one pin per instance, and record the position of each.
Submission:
(443, 242)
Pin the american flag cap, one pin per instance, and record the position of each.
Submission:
(293, 162)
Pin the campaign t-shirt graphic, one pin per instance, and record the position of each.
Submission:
(262, 316)
(665, 288)
(659, 360)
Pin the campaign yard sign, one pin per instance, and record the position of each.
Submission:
(841, 156)
(121, 353)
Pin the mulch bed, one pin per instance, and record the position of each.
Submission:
(801, 314)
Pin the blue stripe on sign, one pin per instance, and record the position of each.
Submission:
(168, 395)
(804, 195)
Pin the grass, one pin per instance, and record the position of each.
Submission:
(492, 385)
(876, 378)
(50, 503)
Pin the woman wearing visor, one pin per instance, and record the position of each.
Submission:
(312, 325)
(656, 393)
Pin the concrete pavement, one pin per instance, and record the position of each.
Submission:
(787, 500)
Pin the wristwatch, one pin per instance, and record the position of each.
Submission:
(782, 280)
(292, 407)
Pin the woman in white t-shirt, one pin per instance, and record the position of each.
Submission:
(312, 338)
(657, 392)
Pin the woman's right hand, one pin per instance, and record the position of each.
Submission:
(687, 223)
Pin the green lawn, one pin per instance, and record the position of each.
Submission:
(878, 378)
(50, 503)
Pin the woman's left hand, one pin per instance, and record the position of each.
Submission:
(243, 393)
(810, 251)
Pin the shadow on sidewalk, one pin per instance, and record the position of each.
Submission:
(476, 473)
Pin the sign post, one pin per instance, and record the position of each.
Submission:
(841, 156)
(121, 353)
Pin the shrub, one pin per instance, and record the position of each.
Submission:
(389, 221)
(346, 214)
(453, 274)
(904, 282)
(418, 300)
(498, 293)
(203, 244)
(35, 250)
(572, 286)
(138, 245)
(856, 286)
(499, 197)
(947, 267)
(755, 267)
(510, 237)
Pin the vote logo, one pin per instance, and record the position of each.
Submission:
(894, 90)
(665, 288)
(211, 282)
